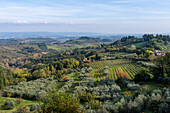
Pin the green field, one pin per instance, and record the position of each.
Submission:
(66, 47)
(127, 66)
(57, 48)
(24, 103)
(137, 44)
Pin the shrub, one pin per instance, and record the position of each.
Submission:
(133, 107)
(28, 90)
(67, 85)
(133, 86)
(153, 104)
(22, 110)
(65, 78)
(141, 99)
(163, 80)
(90, 111)
(19, 101)
(95, 104)
(85, 97)
(118, 107)
(125, 81)
(89, 69)
(142, 76)
(164, 108)
(107, 81)
(61, 103)
(34, 107)
(65, 70)
(8, 105)
(106, 70)
(102, 110)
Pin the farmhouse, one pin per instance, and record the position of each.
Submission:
(159, 53)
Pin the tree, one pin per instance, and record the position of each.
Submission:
(148, 53)
(99, 46)
(2, 79)
(138, 52)
(167, 63)
(97, 57)
(142, 76)
(162, 66)
(61, 103)
(94, 46)
(133, 47)
(106, 70)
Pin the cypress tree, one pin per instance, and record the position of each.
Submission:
(2, 82)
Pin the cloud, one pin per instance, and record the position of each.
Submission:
(121, 1)
(86, 12)
(21, 22)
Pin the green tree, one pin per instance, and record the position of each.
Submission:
(138, 52)
(61, 103)
(97, 57)
(133, 47)
(2, 79)
(162, 66)
(148, 53)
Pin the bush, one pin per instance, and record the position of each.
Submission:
(19, 101)
(22, 110)
(66, 86)
(145, 64)
(153, 104)
(133, 107)
(35, 107)
(142, 76)
(95, 104)
(61, 103)
(90, 111)
(107, 81)
(125, 81)
(28, 90)
(85, 97)
(118, 107)
(164, 108)
(163, 80)
(65, 78)
(65, 70)
(106, 70)
(102, 110)
(133, 86)
(8, 105)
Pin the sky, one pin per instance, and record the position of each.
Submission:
(104, 16)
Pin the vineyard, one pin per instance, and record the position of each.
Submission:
(117, 68)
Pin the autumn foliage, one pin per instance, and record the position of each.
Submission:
(88, 61)
(65, 78)
(122, 74)
(65, 70)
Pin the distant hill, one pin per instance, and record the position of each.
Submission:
(149, 41)
(28, 41)
(38, 40)
(62, 36)
(8, 41)
(88, 40)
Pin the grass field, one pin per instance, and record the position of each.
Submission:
(137, 44)
(57, 48)
(127, 67)
(66, 47)
(23, 103)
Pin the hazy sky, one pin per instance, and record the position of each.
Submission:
(108, 16)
